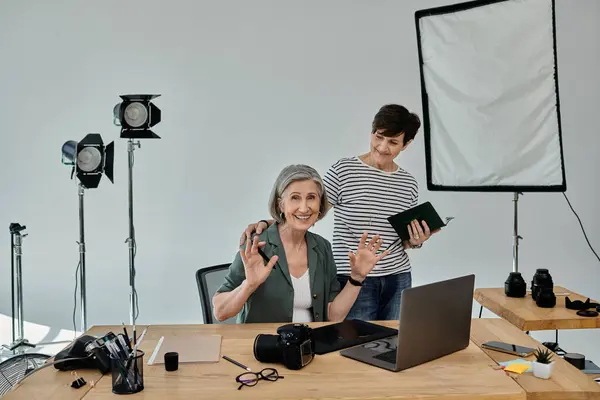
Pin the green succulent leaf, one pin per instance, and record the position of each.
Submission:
(543, 356)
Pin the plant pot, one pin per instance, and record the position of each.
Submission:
(543, 371)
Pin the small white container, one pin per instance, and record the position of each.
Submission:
(543, 371)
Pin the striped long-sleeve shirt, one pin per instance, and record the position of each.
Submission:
(363, 198)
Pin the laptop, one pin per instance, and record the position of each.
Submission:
(435, 320)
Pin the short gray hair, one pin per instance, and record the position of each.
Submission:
(288, 175)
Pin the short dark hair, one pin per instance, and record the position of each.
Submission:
(394, 120)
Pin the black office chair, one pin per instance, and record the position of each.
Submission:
(209, 279)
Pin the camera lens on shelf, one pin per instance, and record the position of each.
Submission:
(515, 285)
(546, 298)
(541, 279)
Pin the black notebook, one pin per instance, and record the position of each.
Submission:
(422, 212)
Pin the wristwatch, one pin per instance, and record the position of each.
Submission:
(354, 281)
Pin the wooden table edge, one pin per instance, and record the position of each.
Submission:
(528, 325)
(532, 394)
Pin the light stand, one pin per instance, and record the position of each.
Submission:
(133, 306)
(22, 362)
(515, 285)
(18, 326)
(136, 114)
(81, 243)
(516, 236)
(90, 159)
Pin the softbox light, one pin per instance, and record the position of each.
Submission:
(489, 84)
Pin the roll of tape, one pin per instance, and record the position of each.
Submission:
(578, 360)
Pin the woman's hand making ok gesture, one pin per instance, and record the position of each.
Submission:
(254, 267)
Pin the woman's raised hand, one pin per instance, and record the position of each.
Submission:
(365, 257)
(254, 266)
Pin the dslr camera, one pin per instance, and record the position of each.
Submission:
(293, 346)
(86, 352)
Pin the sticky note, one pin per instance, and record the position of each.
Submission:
(517, 361)
(517, 368)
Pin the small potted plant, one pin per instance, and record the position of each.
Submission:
(543, 364)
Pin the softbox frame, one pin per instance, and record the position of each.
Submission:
(489, 86)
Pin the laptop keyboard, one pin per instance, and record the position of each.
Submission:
(388, 356)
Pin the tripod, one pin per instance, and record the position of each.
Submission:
(18, 321)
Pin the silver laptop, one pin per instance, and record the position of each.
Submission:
(435, 320)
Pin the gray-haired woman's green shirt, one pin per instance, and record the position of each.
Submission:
(273, 301)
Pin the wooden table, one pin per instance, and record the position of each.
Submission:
(567, 382)
(468, 374)
(527, 316)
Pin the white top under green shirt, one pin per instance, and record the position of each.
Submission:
(302, 299)
(363, 198)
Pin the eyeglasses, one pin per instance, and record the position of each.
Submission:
(252, 378)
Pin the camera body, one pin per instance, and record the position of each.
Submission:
(99, 353)
(88, 351)
(293, 346)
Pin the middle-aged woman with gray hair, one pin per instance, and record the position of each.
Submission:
(295, 277)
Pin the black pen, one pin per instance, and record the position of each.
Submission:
(127, 340)
(237, 363)
(264, 256)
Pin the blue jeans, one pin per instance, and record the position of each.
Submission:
(379, 297)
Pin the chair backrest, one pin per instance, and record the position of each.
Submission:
(209, 279)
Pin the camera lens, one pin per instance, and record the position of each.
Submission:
(515, 286)
(541, 279)
(546, 298)
(266, 348)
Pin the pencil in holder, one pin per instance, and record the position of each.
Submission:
(128, 374)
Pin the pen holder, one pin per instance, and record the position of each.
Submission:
(128, 374)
